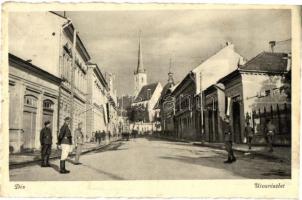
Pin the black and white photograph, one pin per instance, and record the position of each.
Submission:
(150, 94)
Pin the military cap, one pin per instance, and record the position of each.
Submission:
(67, 118)
(46, 123)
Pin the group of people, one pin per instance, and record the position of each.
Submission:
(270, 131)
(64, 143)
(101, 135)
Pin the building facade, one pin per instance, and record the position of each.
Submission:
(97, 101)
(33, 99)
(47, 92)
(255, 93)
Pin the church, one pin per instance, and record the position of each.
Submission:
(146, 96)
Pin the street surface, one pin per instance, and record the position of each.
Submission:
(155, 159)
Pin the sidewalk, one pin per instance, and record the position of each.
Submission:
(26, 158)
(280, 153)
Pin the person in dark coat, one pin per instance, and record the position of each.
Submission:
(228, 141)
(46, 142)
(65, 142)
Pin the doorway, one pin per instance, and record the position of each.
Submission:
(236, 122)
(29, 122)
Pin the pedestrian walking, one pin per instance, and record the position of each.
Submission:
(46, 142)
(249, 134)
(228, 142)
(270, 132)
(96, 136)
(109, 135)
(65, 142)
(79, 141)
(103, 135)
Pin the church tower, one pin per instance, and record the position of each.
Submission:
(140, 75)
(170, 76)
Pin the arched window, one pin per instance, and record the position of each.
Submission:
(30, 100)
(48, 104)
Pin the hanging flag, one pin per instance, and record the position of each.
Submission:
(228, 106)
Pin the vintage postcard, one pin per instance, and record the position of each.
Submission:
(150, 100)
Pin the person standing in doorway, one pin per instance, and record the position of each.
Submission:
(46, 142)
(65, 142)
(249, 134)
(79, 141)
(228, 141)
(270, 132)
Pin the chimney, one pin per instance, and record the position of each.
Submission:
(272, 44)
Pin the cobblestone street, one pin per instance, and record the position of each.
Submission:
(155, 159)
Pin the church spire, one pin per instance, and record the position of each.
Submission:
(140, 65)
(170, 74)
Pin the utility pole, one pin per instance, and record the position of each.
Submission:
(201, 108)
(72, 79)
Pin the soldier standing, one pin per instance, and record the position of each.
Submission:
(79, 141)
(249, 134)
(228, 141)
(46, 142)
(271, 129)
(65, 141)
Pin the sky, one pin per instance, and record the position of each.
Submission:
(187, 37)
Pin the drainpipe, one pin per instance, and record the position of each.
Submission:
(60, 72)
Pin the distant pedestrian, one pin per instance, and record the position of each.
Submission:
(249, 134)
(102, 135)
(270, 132)
(228, 141)
(109, 135)
(46, 142)
(79, 141)
(96, 136)
(65, 142)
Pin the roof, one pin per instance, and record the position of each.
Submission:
(146, 92)
(19, 62)
(217, 66)
(267, 62)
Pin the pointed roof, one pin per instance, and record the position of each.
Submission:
(170, 75)
(140, 65)
(146, 92)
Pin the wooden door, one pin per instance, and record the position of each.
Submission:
(29, 127)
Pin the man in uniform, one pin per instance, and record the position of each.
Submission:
(46, 142)
(271, 129)
(79, 141)
(228, 141)
(65, 141)
(249, 134)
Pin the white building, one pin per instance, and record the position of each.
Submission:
(40, 47)
(97, 99)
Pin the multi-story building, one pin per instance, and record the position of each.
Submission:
(188, 94)
(41, 59)
(97, 101)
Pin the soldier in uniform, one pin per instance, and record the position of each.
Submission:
(270, 132)
(249, 134)
(46, 142)
(79, 141)
(228, 141)
(65, 141)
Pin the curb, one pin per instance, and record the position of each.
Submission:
(256, 153)
(16, 165)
